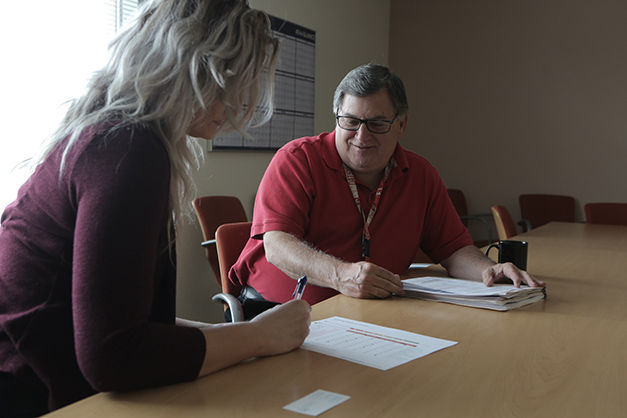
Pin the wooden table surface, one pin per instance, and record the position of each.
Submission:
(561, 357)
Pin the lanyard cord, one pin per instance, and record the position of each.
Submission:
(350, 178)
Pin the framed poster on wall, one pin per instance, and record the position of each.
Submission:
(294, 94)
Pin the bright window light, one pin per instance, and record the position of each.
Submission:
(50, 48)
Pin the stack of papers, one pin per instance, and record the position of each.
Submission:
(500, 297)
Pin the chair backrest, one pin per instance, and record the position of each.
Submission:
(540, 209)
(231, 239)
(504, 222)
(461, 207)
(606, 213)
(459, 201)
(213, 211)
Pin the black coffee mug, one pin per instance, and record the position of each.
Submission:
(512, 252)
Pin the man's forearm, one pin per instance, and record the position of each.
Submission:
(296, 258)
(467, 263)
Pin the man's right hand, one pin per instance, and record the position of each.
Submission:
(366, 280)
(359, 280)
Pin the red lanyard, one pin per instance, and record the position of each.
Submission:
(350, 178)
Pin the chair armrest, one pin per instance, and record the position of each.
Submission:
(480, 219)
(489, 215)
(237, 314)
(525, 224)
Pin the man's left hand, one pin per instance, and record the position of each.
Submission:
(499, 273)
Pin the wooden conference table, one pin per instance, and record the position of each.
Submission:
(565, 356)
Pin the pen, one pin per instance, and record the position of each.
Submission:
(300, 288)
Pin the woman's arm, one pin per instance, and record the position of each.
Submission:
(275, 331)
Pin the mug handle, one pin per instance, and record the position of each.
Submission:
(490, 247)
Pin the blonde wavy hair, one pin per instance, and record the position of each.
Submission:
(167, 67)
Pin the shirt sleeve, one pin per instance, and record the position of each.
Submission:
(120, 188)
(285, 196)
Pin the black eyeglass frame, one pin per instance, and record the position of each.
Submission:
(337, 120)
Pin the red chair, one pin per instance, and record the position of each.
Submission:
(606, 213)
(540, 209)
(505, 225)
(213, 211)
(231, 238)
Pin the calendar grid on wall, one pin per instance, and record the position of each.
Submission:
(294, 93)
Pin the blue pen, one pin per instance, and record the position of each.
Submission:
(300, 288)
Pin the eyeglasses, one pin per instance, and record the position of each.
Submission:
(376, 126)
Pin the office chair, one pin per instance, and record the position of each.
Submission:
(606, 213)
(540, 209)
(505, 225)
(231, 238)
(459, 201)
(213, 211)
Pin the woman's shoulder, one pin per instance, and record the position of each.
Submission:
(117, 152)
(120, 140)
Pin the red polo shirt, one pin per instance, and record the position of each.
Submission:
(304, 192)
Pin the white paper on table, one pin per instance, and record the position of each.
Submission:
(371, 345)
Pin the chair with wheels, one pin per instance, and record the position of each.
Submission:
(243, 302)
(231, 238)
(606, 213)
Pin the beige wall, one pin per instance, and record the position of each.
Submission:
(517, 97)
(506, 98)
(348, 33)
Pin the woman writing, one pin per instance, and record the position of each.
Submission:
(87, 275)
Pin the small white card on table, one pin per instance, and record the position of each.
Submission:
(316, 403)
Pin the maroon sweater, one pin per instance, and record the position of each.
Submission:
(87, 279)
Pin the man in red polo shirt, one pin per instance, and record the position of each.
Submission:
(350, 209)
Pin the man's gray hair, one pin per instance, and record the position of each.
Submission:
(368, 79)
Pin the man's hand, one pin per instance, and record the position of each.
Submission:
(367, 280)
(500, 273)
(470, 263)
(359, 280)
